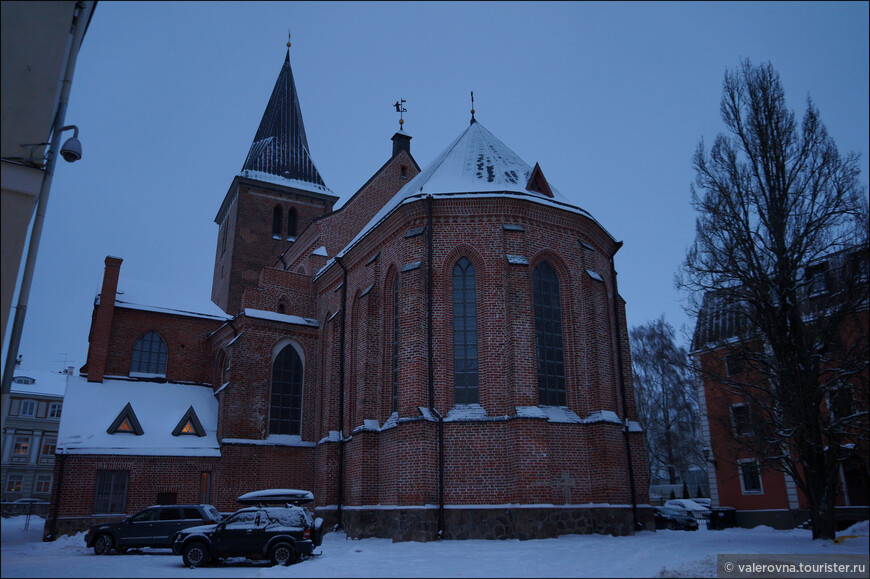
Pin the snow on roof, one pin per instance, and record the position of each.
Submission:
(152, 296)
(475, 164)
(276, 317)
(91, 407)
(47, 383)
(279, 180)
(320, 251)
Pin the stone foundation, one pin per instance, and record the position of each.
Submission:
(508, 522)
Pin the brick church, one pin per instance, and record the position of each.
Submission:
(445, 355)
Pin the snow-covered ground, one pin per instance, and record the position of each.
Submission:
(647, 554)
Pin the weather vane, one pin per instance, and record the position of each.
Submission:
(400, 108)
(472, 106)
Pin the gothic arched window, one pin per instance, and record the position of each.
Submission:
(277, 218)
(465, 384)
(291, 223)
(395, 346)
(149, 355)
(285, 415)
(548, 336)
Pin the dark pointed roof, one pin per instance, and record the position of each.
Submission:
(279, 152)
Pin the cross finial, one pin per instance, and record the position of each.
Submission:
(288, 38)
(400, 108)
(472, 106)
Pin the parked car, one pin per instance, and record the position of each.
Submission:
(151, 527)
(689, 507)
(668, 518)
(280, 533)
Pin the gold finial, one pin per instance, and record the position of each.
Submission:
(472, 106)
(288, 38)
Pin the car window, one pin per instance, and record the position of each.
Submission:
(144, 516)
(170, 515)
(190, 513)
(215, 515)
(287, 517)
(242, 520)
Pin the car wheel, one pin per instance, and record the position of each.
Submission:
(195, 555)
(283, 554)
(102, 544)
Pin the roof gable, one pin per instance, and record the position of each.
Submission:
(538, 183)
(126, 422)
(189, 424)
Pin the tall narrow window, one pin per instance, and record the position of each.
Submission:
(395, 357)
(465, 384)
(277, 219)
(291, 223)
(286, 406)
(111, 491)
(149, 355)
(548, 336)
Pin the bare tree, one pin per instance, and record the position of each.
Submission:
(776, 204)
(666, 400)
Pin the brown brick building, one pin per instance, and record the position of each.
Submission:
(444, 355)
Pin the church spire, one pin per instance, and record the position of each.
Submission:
(280, 147)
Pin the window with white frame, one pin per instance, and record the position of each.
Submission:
(42, 484)
(750, 477)
(49, 445)
(20, 448)
(14, 482)
(54, 409)
(28, 408)
(741, 419)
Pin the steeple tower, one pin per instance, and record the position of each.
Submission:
(275, 196)
(280, 148)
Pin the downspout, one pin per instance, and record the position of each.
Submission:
(341, 389)
(61, 463)
(431, 340)
(621, 376)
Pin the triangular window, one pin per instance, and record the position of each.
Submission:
(538, 183)
(126, 422)
(189, 424)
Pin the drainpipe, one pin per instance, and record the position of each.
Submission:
(341, 390)
(431, 340)
(79, 25)
(62, 462)
(621, 376)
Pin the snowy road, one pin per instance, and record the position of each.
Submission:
(664, 554)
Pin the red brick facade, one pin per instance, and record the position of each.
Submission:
(412, 473)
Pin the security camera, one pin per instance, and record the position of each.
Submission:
(71, 150)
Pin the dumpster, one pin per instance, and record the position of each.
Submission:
(722, 518)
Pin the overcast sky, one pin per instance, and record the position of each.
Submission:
(610, 98)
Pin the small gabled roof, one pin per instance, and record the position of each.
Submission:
(189, 424)
(126, 422)
(279, 153)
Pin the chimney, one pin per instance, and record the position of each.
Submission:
(102, 325)
(401, 142)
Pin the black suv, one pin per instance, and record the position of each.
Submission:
(151, 527)
(280, 533)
